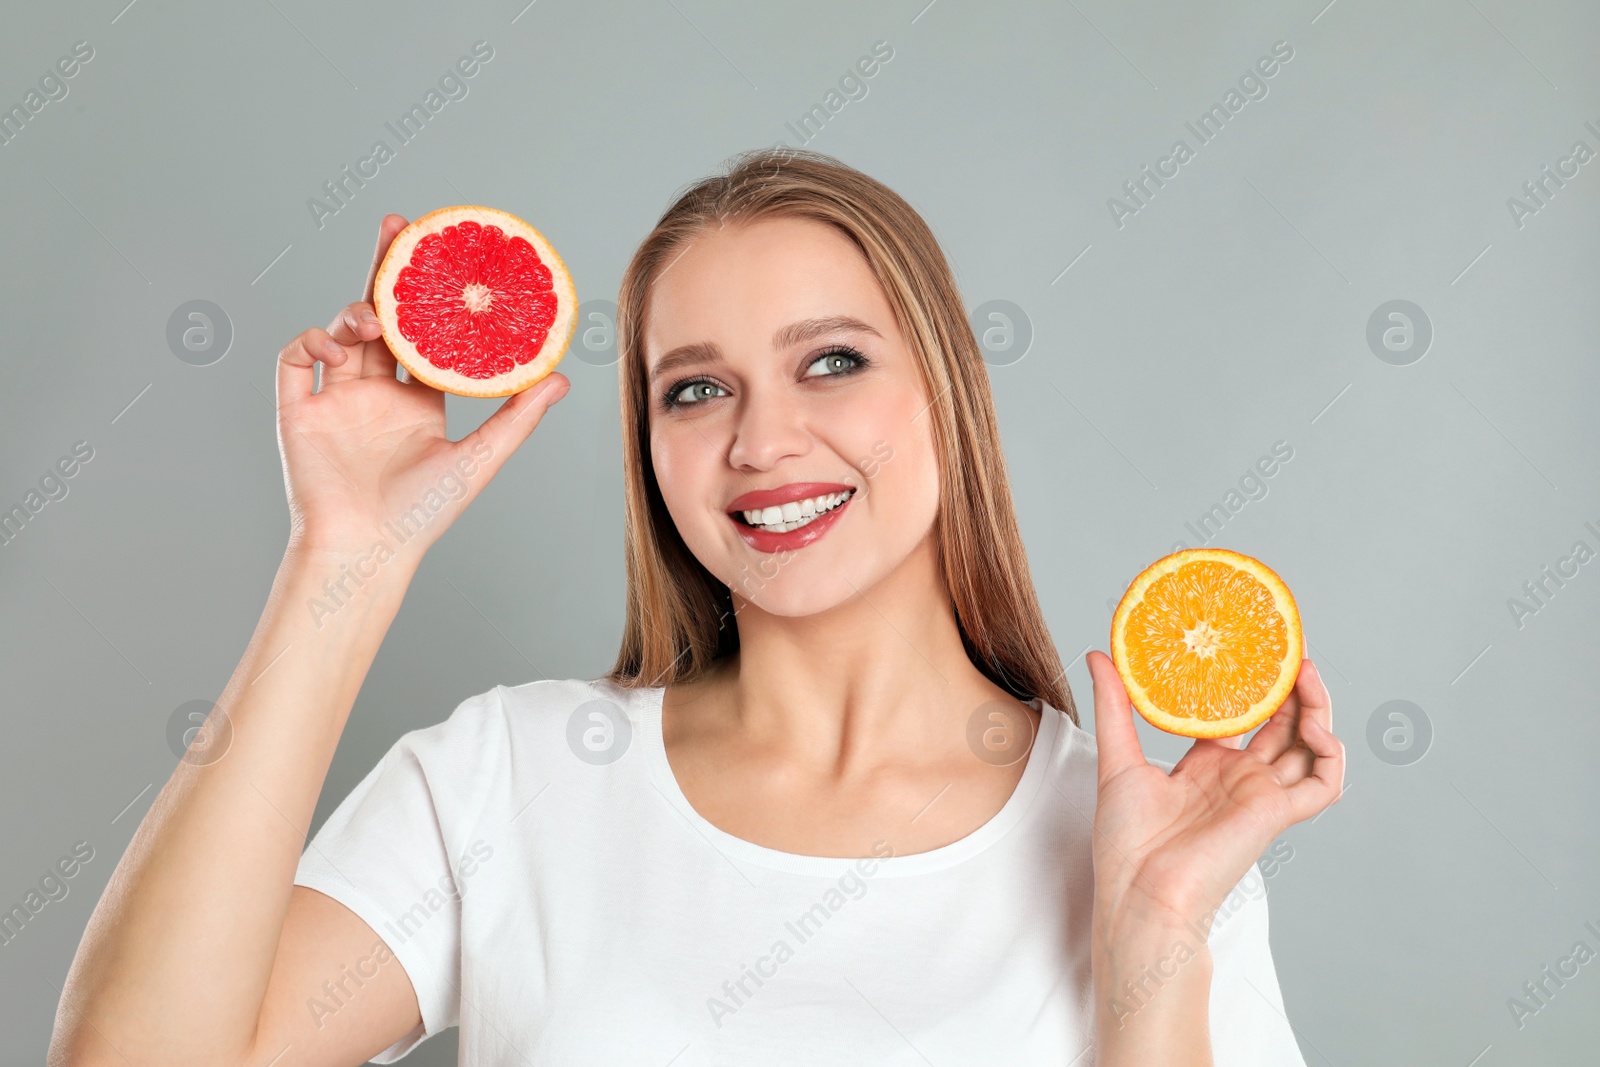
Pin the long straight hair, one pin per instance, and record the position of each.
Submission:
(680, 617)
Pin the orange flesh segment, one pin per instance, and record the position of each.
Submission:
(1206, 642)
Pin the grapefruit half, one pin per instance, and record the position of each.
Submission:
(474, 301)
(1207, 642)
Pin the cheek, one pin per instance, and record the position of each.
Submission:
(901, 471)
(681, 470)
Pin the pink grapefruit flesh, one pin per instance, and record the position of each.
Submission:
(474, 301)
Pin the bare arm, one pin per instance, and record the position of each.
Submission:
(1152, 995)
(177, 959)
(201, 950)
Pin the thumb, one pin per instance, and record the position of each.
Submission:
(513, 421)
(1114, 733)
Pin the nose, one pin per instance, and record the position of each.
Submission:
(769, 426)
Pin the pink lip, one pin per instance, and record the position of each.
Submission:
(772, 541)
(769, 498)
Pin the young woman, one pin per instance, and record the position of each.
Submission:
(832, 804)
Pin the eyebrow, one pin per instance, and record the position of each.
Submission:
(786, 337)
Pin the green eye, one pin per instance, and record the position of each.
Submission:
(836, 361)
(695, 389)
(841, 359)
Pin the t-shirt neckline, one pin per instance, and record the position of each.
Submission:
(1017, 805)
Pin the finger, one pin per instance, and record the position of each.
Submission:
(504, 431)
(373, 357)
(358, 329)
(379, 361)
(1316, 706)
(1277, 734)
(1114, 733)
(1325, 784)
(355, 324)
(1314, 698)
(297, 364)
(1307, 696)
(390, 226)
(1316, 690)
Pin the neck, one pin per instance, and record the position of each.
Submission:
(881, 675)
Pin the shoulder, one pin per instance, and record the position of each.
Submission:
(561, 695)
(1077, 754)
(1075, 758)
(492, 722)
(497, 740)
(560, 703)
(1070, 786)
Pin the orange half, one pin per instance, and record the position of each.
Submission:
(1208, 642)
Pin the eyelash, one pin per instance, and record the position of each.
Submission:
(669, 401)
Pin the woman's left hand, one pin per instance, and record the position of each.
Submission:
(1168, 848)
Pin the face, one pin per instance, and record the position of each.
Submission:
(779, 382)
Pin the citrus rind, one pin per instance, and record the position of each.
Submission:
(556, 341)
(1260, 710)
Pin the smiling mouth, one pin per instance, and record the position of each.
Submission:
(794, 515)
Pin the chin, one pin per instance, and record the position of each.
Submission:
(820, 576)
(789, 597)
(809, 582)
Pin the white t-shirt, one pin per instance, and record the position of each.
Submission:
(534, 867)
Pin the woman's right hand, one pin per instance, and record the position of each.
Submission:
(369, 449)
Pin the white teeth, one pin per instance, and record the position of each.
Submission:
(795, 514)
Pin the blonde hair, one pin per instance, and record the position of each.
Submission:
(679, 615)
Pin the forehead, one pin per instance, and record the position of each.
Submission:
(743, 280)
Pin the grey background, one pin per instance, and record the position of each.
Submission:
(1228, 314)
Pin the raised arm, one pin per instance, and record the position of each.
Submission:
(202, 951)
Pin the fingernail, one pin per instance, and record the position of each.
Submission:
(332, 352)
(367, 316)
